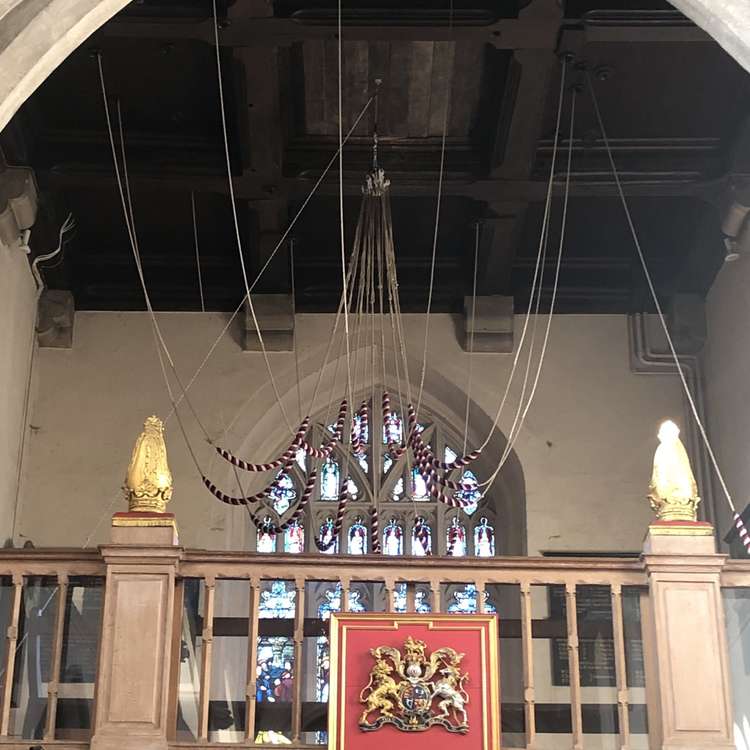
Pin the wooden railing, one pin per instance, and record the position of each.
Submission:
(57, 573)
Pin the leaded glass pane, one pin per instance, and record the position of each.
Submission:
(325, 536)
(329, 480)
(419, 490)
(456, 539)
(357, 544)
(473, 495)
(392, 429)
(421, 546)
(393, 538)
(450, 455)
(484, 539)
(294, 538)
(284, 494)
(266, 537)
(398, 490)
(464, 601)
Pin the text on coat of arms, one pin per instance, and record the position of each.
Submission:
(415, 692)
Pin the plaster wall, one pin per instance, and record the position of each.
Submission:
(727, 363)
(585, 449)
(18, 315)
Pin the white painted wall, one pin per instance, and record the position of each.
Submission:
(586, 448)
(17, 316)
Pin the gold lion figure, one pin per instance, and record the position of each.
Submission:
(381, 688)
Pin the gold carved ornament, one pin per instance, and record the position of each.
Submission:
(148, 483)
(414, 692)
(673, 492)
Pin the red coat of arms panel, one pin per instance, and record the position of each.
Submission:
(426, 681)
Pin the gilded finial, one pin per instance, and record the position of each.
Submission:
(148, 483)
(673, 492)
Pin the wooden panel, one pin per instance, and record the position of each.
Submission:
(397, 90)
(442, 75)
(137, 617)
(420, 85)
(313, 58)
(465, 85)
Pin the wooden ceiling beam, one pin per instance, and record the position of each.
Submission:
(253, 187)
(241, 31)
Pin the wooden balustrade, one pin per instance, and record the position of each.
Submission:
(431, 575)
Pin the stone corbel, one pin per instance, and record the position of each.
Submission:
(55, 319)
(18, 205)
(275, 316)
(492, 324)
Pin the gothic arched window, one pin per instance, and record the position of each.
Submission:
(374, 477)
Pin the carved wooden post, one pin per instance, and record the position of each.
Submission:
(687, 626)
(134, 663)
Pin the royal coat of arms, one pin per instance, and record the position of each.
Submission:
(415, 692)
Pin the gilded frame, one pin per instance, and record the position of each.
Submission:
(340, 623)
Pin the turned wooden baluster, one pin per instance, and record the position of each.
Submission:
(207, 644)
(574, 671)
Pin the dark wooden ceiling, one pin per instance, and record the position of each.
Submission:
(674, 103)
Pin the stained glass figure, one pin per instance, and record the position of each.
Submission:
(325, 535)
(484, 539)
(418, 487)
(421, 600)
(472, 495)
(398, 490)
(456, 539)
(333, 598)
(294, 538)
(392, 429)
(352, 488)
(419, 547)
(266, 538)
(284, 494)
(393, 538)
(329, 480)
(277, 600)
(274, 673)
(465, 601)
(450, 455)
(357, 537)
(387, 462)
(363, 462)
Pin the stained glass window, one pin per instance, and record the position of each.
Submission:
(418, 487)
(421, 599)
(455, 538)
(472, 495)
(392, 429)
(301, 459)
(325, 535)
(357, 537)
(294, 538)
(393, 538)
(421, 547)
(329, 480)
(283, 495)
(450, 455)
(266, 538)
(275, 670)
(465, 601)
(277, 600)
(484, 539)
